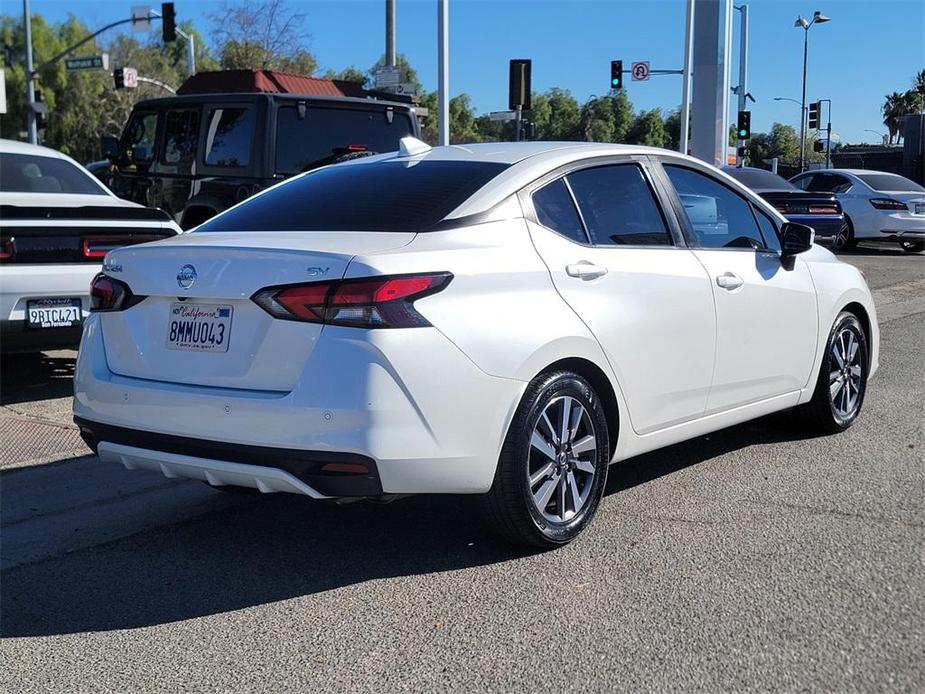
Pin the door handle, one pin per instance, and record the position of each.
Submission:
(585, 270)
(729, 280)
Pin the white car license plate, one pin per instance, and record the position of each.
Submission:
(920, 208)
(53, 313)
(199, 327)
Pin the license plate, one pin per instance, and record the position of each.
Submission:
(920, 208)
(53, 313)
(199, 327)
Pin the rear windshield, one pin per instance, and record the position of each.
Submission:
(760, 180)
(889, 182)
(392, 195)
(307, 141)
(26, 173)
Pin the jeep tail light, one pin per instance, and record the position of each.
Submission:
(109, 294)
(380, 302)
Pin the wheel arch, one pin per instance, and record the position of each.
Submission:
(858, 310)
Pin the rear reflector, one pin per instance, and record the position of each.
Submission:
(381, 302)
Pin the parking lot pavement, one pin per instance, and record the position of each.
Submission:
(753, 558)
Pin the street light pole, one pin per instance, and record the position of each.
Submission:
(742, 89)
(686, 84)
(819, 18)
(31, 126)
(443, 73)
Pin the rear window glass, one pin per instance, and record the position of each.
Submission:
(302, 143)
(760, 180)
(25, 173)
(229, 137)
(393, 195)
(891, 183)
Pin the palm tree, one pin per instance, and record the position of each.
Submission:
(918, 87)
(892, 108)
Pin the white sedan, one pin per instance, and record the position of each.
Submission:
(504, 320)
(57, 222)
(878, 206)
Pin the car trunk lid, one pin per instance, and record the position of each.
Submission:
(217, 273)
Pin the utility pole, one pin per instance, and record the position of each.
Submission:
(31, 127)
(742, 89)
(443, 73)
(390, 33)
(686, 84)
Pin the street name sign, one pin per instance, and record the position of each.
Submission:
(91, 62)
(502, 115)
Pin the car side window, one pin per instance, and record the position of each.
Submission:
(804, 182)
(181, 136)
(229, 137)
(555, 209)
(618, 206)
(829, 183)
(140, 138)
(768, 230)
(718, 216)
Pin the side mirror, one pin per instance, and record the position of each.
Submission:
(796, 238)
(109, 146)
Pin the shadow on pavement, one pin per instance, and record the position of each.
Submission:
(32, 377)
(280, 547)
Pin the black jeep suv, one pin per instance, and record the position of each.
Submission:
(197, 155)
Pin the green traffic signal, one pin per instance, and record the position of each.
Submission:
(743, 133)
(615, 82)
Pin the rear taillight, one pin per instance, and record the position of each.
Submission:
(824, 208)
(108, 294)
(888, 204)
(381, 302)
(7, 249)
(97, 247)
(781, 207)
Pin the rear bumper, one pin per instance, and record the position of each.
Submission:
(407, 403)
(824, 226)
(317, 474)
(16, 337)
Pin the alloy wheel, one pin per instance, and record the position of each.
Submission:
(563, 459)
(845, 376)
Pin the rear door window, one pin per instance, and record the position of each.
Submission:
(229, 137)
(312, 136)
(618, 207)
(181, 137)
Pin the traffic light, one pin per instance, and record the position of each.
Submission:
(40, 110)
(616, 74)
(118, 76)
(168, 22)
(818, 146)
(519, 92)
(744, 128)
(815, 109)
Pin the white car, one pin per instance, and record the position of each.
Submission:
(57, 222)
(878, 206)
(496, 319)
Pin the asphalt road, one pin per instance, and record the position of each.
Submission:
(751, 559)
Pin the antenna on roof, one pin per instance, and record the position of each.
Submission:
(412, 147)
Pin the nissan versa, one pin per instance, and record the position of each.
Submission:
(497, 319)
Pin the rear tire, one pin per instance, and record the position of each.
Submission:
(547, 486)
(913, 246)
(844, 240)
(842, 381)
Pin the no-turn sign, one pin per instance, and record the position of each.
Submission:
(640, 71)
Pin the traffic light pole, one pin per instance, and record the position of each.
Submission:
(828, 137)
(742, 89)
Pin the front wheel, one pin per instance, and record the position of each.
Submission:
(553, 466)
(842, 380)
(913, 246)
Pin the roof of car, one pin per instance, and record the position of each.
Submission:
(17, 147)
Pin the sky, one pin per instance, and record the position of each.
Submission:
(869, 49)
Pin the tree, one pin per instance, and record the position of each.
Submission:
(261, 36)
(463, 127)
(622, 109)
(348, 74)
(648, 129)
